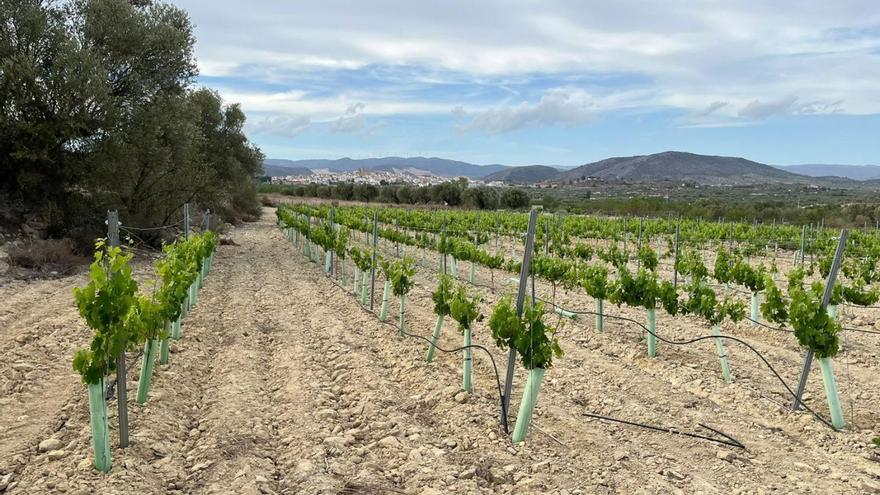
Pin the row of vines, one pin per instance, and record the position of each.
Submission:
(126, 316)
(628, 275)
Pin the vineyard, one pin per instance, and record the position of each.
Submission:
(344, 349)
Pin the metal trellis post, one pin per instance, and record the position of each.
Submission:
(375, 253)
(520, 301)
(121, 391)
(826, 297)
(186, 221)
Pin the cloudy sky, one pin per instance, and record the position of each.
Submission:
(552, 82)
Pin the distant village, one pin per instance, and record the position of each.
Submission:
(376, 178)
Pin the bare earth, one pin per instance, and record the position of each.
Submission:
(283, 384)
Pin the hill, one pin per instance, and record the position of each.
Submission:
(281, 168)
(855, 172)
(677, 166)
(525, 175)
(436, 166)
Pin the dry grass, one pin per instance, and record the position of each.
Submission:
(45, 255)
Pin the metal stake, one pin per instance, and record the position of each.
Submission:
(122, 392)
(375, 252)
(826, 297)
(803, 243)
(186, 221)
(520, 301)
(675, 261)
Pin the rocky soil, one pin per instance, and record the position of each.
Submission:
(282, 383)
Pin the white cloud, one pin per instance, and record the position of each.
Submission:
(752, 54)
(712, 108)
(353, 120)
(563, 106)
(281, 125)
(761, 110)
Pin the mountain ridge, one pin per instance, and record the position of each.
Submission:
(854, 172)
(666, 166)
(680, 166)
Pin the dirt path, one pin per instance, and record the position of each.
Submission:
(283, 384)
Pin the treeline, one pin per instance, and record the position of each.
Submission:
(782, 211)
(98, 111)
(453, 193)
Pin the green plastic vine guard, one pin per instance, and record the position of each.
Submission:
(163, 351)
(473, 274)
(831, 393)
(383, 314)
(354, 287)
(100, 431)
(467, 369)
(565, 314)
(527, 405)
(344, 275)
(402, 320)
(146, 376)
(364, 289)
(755, 317)
(434, 338)
(453, 267)
(176, 332)
(652, 332)
(600, 319)
(722, 355)
(832, 311)
(328, 262)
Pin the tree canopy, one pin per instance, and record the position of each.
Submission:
(98, 111)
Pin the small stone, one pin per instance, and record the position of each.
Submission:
(338, 442)
(4, 481)
(725, 455)
(325, 414)
(870, 487)
(467, 474)
(54, 455)
(390, 442)
(461, 397)
(50, 444)
(675, 475)
(261, 479)
(200, 466)
(305, 466)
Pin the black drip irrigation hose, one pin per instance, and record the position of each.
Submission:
(788, 330)
(732, 441)
(431, 343)
(728, 440)
(706, 337)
